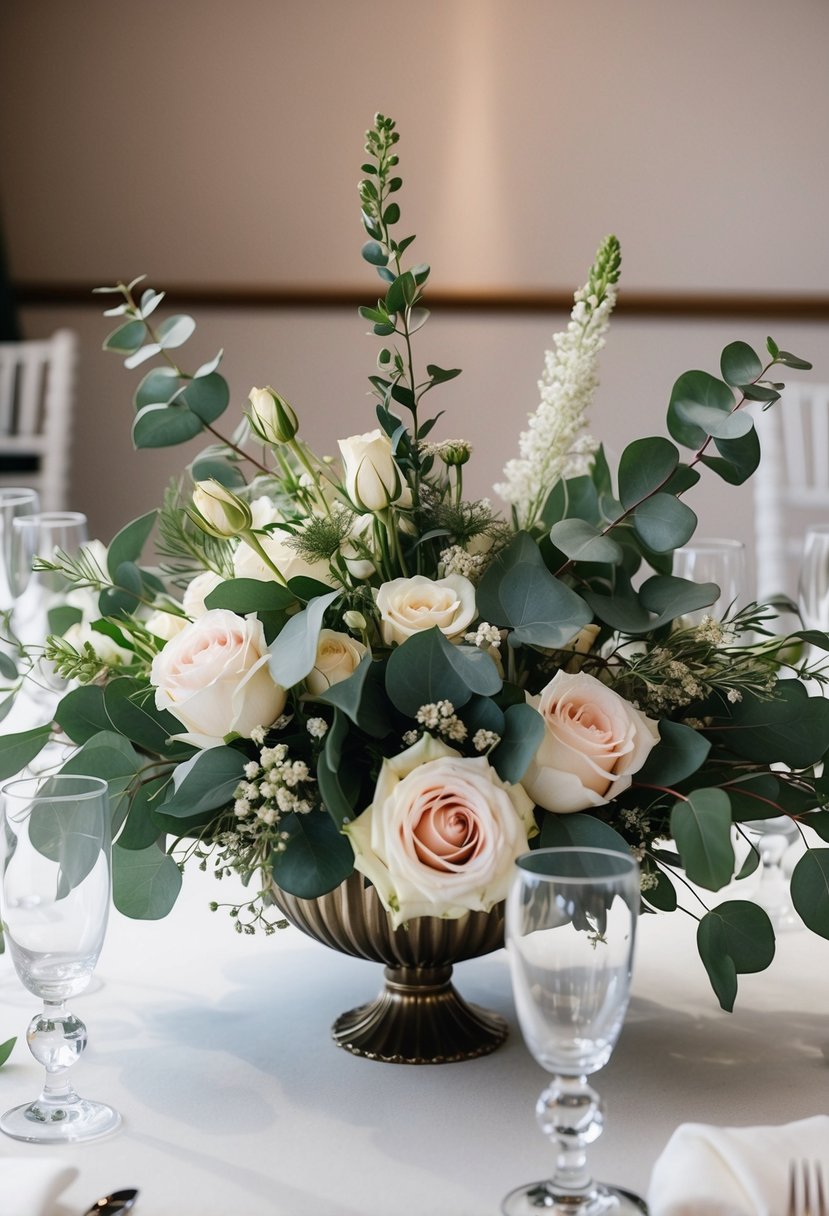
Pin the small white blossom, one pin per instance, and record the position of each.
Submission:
(316, 727)
(484, 636)
(485, 740)
(258, 735)
(252, 770)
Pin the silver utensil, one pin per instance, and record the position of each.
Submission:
(806, 1190)
(118, 1201)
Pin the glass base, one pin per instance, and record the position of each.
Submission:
(78, 1120)
(542, 1197)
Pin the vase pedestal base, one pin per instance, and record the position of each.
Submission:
(419, 1018)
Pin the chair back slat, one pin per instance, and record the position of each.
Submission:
(36, 391)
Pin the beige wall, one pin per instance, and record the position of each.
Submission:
(214, 143)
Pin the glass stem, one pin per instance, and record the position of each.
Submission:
(56, 1039)
(570, 1112)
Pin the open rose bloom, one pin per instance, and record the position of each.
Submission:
(442, 833)
(594, 742)
(214, 677)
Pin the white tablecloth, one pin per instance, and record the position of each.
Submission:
(216, 1050)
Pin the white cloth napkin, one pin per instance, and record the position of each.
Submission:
(733, 1171)
(29, 1186)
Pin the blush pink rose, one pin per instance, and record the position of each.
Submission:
(214, 677)
(442, 833)
(595, 741)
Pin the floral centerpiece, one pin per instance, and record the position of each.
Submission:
(340, 665)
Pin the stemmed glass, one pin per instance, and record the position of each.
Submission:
(772, 838)
(42, 535)
(718, 560)
(14, 503)
(570, 925)
(813, 586)
(55, 894)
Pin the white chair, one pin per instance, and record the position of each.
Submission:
(791, 486)
(36, 393)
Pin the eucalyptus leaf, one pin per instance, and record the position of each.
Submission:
(696, 388)
(518, 591)
(523, 732)
(158, 387)
(145, 882)
(6, 1049)
(81, 713)
(317, 857)
(789, 728)
(701, 827)
(161, 426)
(174, 331)
(581, 541)
(208, 784)
(740, 364)
(127, 545)
(331, 772)
(664, 523)
(581, 831)
(427, 668)
(361, 698)
(294, 652)
(18, 750)
(245, 595)
(645, 467)
(735, 938)
(810, 890)
(127, 338)
(207, 397)
(679, 753)
(140, 830)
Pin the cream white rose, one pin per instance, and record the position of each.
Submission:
(442, 833)
(165, 625)
(197, 591)
(410, 605)
(214, 677)
(248, 563)
(338, 656)
(372, 479)
(595, 741)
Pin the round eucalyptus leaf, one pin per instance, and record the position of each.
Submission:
(739, 364)
(696, 388)
(126, 338)
(581, 541)
(161, 426)
(158, 387)
(145, 882)
(701, 827)
(645, 466)
(174, 331)
(810, 890)
(207, 397)
(664, 522)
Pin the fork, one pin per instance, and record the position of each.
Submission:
(807, 1199)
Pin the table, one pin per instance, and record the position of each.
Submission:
(215, 1048)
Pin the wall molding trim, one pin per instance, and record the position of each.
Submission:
(680, 304)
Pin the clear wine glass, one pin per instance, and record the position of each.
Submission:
(55, 894)
(717, 560)
(813, 586)
(772, 838)
(570, 926)
(42, 535)
(14, 502)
